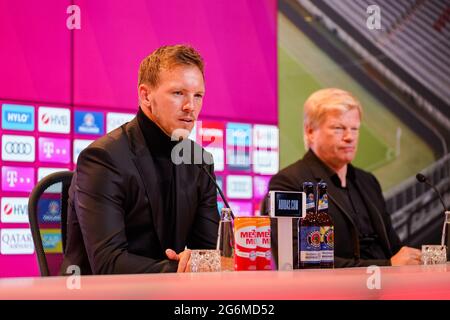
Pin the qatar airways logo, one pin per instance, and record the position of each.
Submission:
(115, 120)
(17, 179)
(16, 241)
(54, 150)
(55, 120)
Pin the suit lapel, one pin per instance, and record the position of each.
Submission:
(146, 168)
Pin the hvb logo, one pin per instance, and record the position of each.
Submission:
(8, 209)
(45, 118)
(14, 210)
(17, 179)
(55, 120)
(17, 117)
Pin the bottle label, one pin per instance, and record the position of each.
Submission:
(310, 245)
(323, 203)
(310, 201)
(327, 243)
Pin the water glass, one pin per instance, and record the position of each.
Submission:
(205, 260)
(434, 254)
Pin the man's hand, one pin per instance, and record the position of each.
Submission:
(405, 256)
(183, 258)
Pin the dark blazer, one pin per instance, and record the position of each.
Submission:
(115, 216)
(346, 250)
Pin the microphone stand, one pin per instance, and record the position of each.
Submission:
(423, 179)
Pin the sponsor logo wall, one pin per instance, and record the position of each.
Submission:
(36, 141)
(73, 90)
(245, 157)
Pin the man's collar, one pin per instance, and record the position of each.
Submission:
(320, 169)
(155, 138)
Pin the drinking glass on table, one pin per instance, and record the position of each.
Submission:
(205, 260)
(434, 254)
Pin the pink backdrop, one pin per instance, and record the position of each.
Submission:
(43, 63)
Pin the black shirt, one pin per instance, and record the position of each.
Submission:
(370, 247)
(160, 146)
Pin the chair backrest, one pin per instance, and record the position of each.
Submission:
(47, 205)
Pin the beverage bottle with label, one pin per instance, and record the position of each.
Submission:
(326, 227)
(225, 240)
(309, 232)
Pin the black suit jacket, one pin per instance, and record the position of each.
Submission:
(346, 250)
(115, 219)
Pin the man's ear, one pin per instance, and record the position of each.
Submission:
(308, 135)
(144, 93)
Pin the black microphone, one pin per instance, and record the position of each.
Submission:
(423, 179)
(181, 138)
(203, 166)
(218, 188)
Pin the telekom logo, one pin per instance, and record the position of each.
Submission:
(54, 150)
(45, 118)
(49, 148)
(17, 179)
(11, 178)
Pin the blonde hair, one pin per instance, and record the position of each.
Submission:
(323, 102)
(167, 57)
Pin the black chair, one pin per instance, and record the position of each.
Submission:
(60, 183)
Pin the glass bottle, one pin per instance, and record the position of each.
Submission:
(225, 240)
(326, 227)
(309, 232)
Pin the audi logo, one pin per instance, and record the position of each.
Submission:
(18, 148)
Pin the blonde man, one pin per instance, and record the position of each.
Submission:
(131, 209)
(363, 231)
